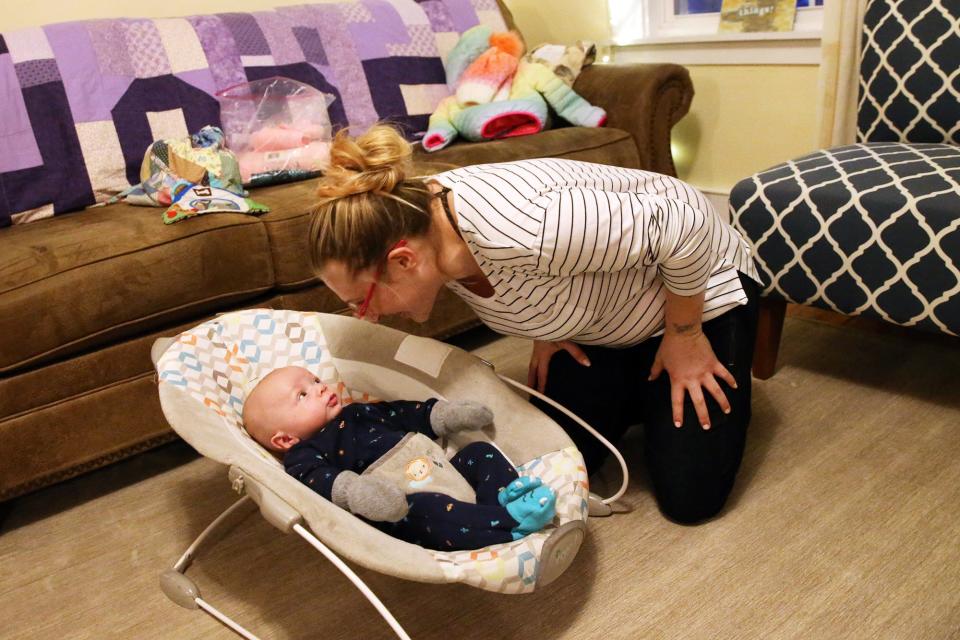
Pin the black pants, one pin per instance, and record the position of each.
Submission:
(692, 470)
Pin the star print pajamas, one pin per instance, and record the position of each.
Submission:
(365, 432)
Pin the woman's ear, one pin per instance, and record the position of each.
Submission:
(404, 257)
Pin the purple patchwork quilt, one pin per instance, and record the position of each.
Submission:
(80, 102)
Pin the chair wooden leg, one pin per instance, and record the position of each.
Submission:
(769, 328)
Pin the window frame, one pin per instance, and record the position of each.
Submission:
(653, 32)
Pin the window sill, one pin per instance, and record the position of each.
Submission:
(777, 48)
(726, 37)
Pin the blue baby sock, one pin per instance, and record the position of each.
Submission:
(532, 510)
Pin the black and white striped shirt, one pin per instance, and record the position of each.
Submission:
(581, 251)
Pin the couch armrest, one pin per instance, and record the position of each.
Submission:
(643, 99)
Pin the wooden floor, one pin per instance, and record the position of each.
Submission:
(844, 524)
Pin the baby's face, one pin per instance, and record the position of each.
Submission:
(296, 402)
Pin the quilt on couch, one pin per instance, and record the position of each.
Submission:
(81, 101)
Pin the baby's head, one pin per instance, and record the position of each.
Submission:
(287, 406)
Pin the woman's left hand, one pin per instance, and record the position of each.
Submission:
(543, 351)
(692, 366)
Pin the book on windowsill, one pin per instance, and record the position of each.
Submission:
(737, 16)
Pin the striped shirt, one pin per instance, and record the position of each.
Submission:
(583, 252)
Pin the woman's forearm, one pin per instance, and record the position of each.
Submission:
(683, 314)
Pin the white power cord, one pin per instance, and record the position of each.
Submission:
(567, 412)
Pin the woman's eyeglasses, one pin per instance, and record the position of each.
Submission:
(360, 310)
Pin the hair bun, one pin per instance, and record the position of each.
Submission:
(377, 161)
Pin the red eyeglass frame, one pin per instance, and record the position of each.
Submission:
(361, 311)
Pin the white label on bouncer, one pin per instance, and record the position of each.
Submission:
(424, 354)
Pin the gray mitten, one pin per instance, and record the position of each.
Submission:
(459, 415)
(372, 498)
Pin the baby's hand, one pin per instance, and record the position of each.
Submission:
(372, 498)
(459, 415)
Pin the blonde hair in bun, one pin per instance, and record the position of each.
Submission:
(367, 200)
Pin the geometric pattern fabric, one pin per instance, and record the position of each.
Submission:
(81, 101)
(866, 229)
(909, 80)
(220, 361)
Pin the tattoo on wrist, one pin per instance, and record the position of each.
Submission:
(685, 329)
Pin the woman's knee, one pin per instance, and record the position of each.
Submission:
(693, 505)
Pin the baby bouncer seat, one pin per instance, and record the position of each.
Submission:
(205, 373)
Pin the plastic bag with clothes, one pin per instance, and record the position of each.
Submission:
(278, 128)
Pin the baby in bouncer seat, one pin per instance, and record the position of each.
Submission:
(380, 462)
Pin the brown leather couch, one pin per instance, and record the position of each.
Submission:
(82, 298)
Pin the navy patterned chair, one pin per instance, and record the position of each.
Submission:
(872, 228)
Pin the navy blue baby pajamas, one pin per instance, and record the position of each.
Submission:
(365, 432)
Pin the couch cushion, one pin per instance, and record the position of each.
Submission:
(866, 229)
(76, 282)
(288, 222)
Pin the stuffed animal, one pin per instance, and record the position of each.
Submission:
(190, 176)
(497, 94)
(172, 165)
(565, 61)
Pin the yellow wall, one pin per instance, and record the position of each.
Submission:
(743, 118)
(560, 21)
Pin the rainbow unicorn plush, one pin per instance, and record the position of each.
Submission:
(498, 95)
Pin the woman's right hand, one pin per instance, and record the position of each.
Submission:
(543, 350)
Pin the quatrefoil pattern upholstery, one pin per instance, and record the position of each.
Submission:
(874, 228)
(910, 72)
(867, 229)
